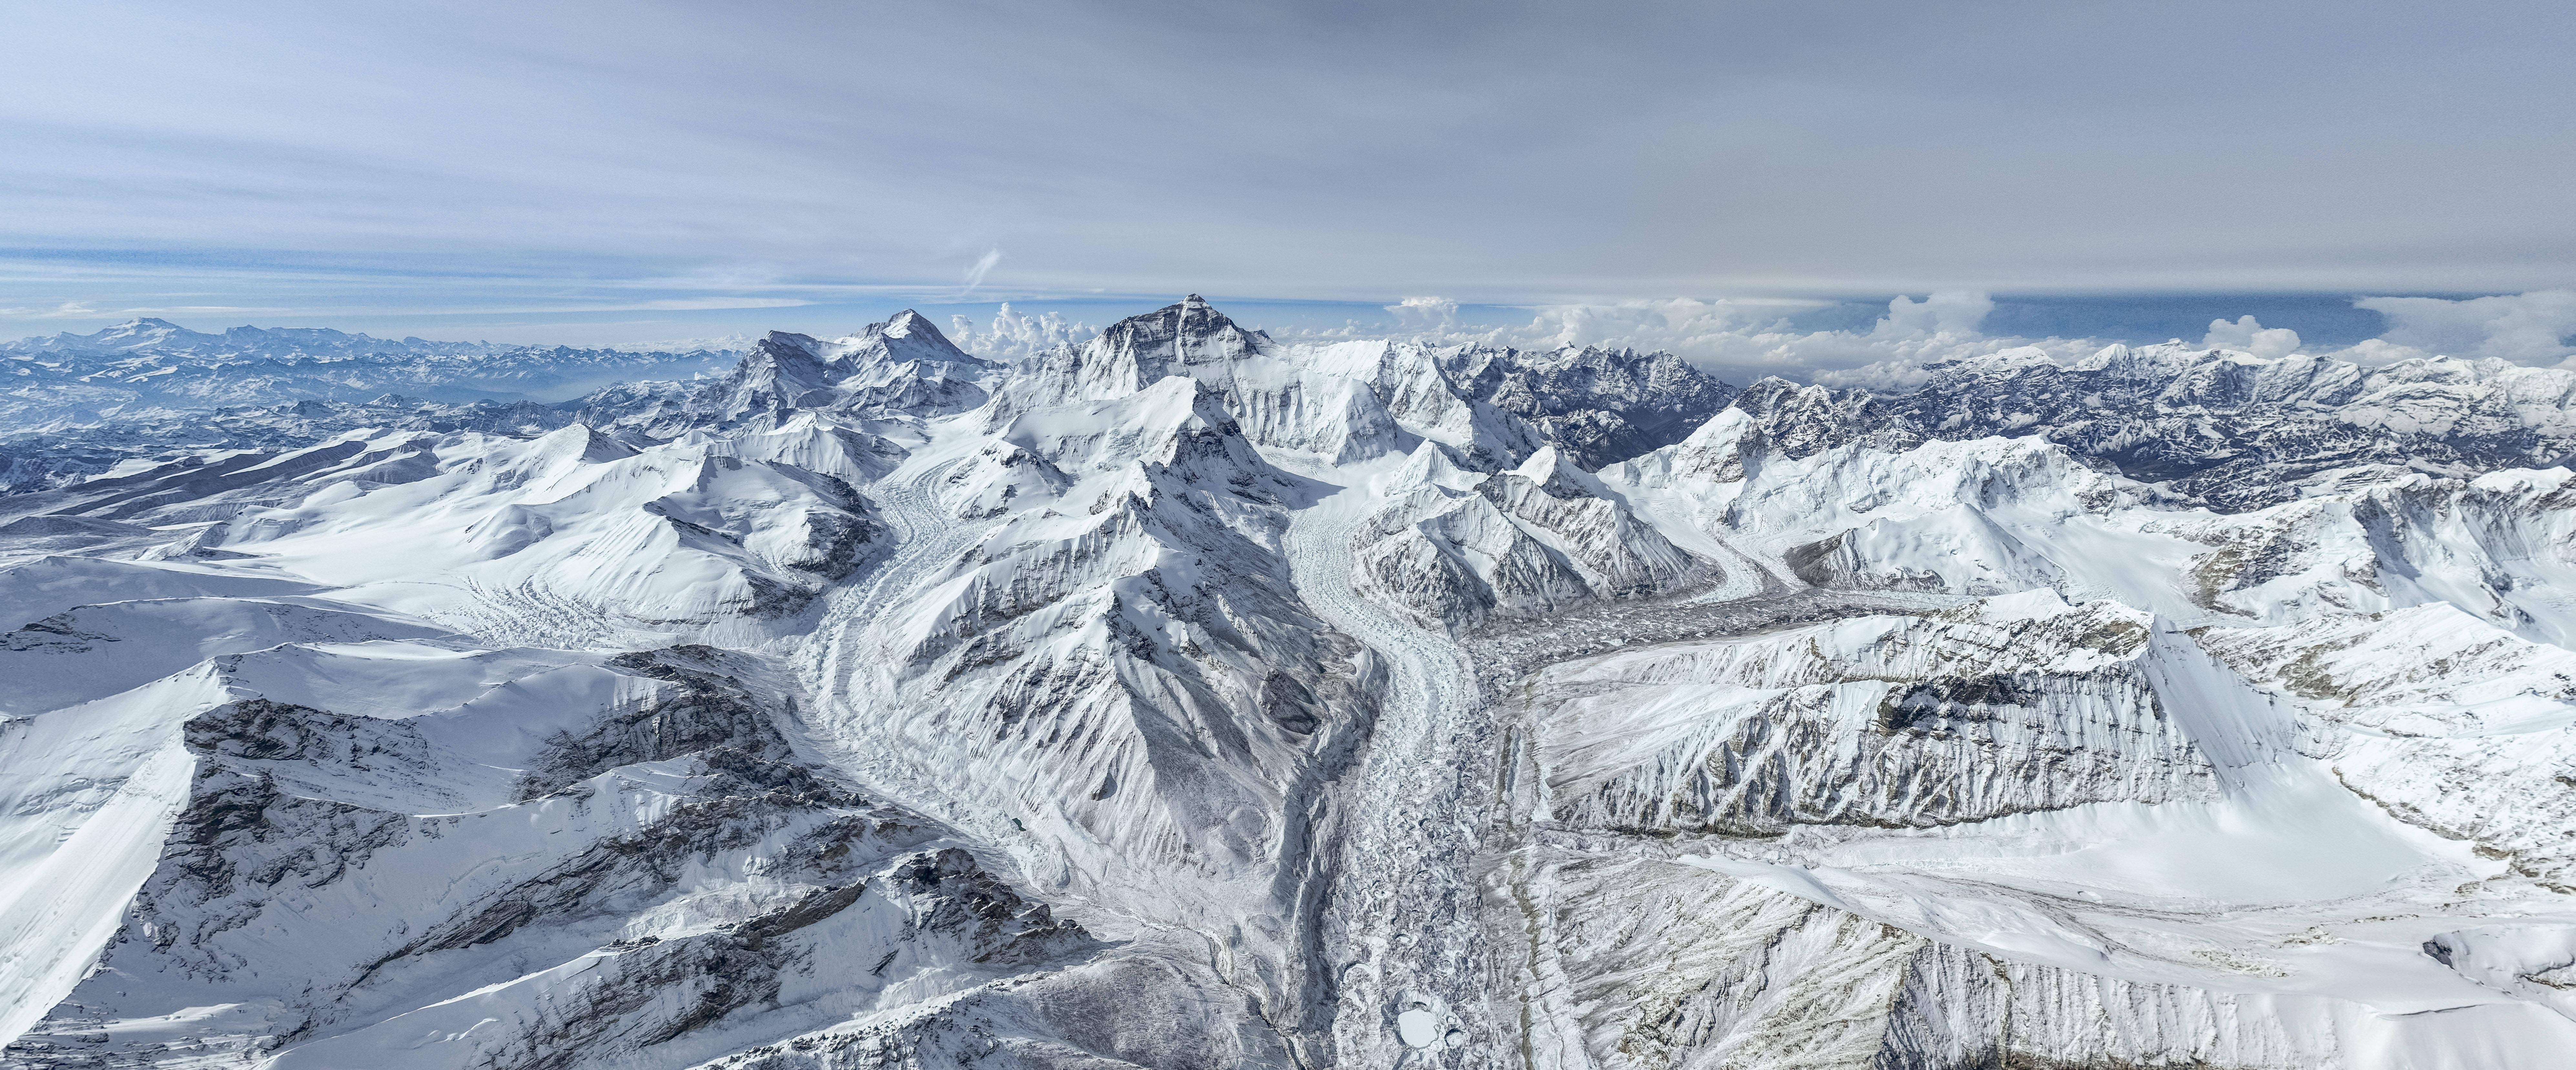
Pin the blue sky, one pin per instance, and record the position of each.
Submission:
(616, 173)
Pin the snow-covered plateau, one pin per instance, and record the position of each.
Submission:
(1187, 698)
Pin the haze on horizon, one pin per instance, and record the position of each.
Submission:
(589, 172)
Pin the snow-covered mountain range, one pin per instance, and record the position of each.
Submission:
(2230, 429)
(1187, 698)
(74, 405)
(150, 364)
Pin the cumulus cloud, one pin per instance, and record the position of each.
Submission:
(1687, 326)
(1425, 313)
(1012, 335)
(2525, 328)
(2246, 334)
(1678, 324)
(1951, 312)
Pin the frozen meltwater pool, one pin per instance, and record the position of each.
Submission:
(1417, 1028)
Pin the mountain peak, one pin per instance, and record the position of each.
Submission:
(142, 326)
(905, 322)
(141, 332)
(1189, 320)
(907, 336)
(1187, 337)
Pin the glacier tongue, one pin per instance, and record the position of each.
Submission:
(1189, 698)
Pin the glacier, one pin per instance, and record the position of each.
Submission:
(1190, 698)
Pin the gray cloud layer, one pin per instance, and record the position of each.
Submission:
(1521, 152)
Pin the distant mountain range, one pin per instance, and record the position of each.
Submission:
(2226, 428)
(153, 363)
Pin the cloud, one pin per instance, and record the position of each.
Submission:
(68, 310)
(975, 275)
(2250, 336)
(1333, 151)
(1425, 313)
(1952, 312)
(2525, 328)
(1689, 326)
(1013, 335)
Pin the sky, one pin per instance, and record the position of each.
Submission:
(1712, 174)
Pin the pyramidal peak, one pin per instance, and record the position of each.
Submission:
(904, 322)
(1187, 337)
(906, 337)
(1194, 323)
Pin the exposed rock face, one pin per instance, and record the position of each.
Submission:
(903, 366)
(1189, 699)
(1188, 339)
(1907, 722)
(1601, 406)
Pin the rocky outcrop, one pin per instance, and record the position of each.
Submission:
(1599, 406)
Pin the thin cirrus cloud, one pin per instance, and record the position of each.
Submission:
(975, 274)
(68, 310)
(1536, 155)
